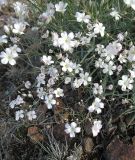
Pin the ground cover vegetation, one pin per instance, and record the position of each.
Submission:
(67, 79)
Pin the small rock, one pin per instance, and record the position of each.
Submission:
(88, 144)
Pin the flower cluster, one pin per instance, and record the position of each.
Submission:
(101, 67)
(48, 15)
(9, 55)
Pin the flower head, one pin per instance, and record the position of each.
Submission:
(126, 83)
(97, 89)
(67, 65)
(85, 78)
(99, 29)
(115, 14)
(19, 114)
(31, 115)
(18, 101)
(19, 28)
(67, 42)
(27, 84)
(97, 105)
(21, 9)
(8, 57)
(61, 7)
(3, 39)
(96, 127)
(109, 68)
(81, 17)
(50, 101)
(59, 92)
(49, 14)
(71, 129)
(47, 60)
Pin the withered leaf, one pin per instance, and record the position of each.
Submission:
(34, 134)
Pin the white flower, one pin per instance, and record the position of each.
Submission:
(49, 14)
(67, 65)
(19, 100)
(130, 3)
(59, 92)
(40, 79)
(85, 40)
(97, 105)
(126, 83)
(41, 93)
(7, 28)
(12, 104)
(51, 91)
(111, 50)
(99, 28)
(72, 129)
(132, 73)
(99, 63)
(55, 39)
(77, 83)
(99, 48)
(119, 68)
(110, 87)
(49, 100)
(46, 35)
(61, 7)
(96, 127)
(115, 14)
(8, 57)
(109, 68)
(14, 49)
(131, 54)
(19, 114)
(3, 39)
(123, 57)
(51, 82)
(67, 80)
(21, 9)
(47, 60)
(97, 89)
(67, 42)
(31, 115)
(77, 68)
(27, 84)
(50, 6)
(121, 36)
(53, 72)
(85, 78)
(81, 17)
(19, 28)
